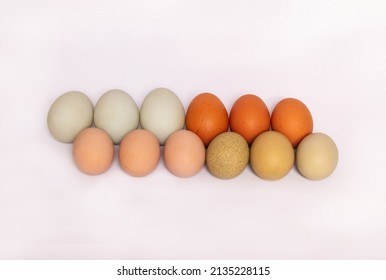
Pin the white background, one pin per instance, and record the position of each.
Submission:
(329, 54)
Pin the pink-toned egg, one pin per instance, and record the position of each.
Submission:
(184, 153)
(139, 152)
(93, 151)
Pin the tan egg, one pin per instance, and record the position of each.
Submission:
(317, 156)
(227, 155)
(93, 151)
(139, 152)
(184, 153)
(272, 155)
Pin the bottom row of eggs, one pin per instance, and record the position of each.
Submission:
(271, 154)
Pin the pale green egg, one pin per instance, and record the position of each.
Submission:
(69, 115)
(162, 113)
(116, 113)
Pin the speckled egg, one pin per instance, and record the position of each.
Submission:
(227, 155)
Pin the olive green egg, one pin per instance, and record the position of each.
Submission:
(227, 155)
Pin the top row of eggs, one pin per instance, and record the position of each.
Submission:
(162, 113)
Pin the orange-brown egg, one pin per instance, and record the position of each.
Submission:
(207, 117)
(93, 151)
(293, 119)
(249, 117)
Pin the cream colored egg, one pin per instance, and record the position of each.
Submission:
(317, 156)
(272, 155)
(116, 113)
(69, 115)
(162, 113)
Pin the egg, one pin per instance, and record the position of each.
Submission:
(162, 113)
(272, 155)
(116, 113)
(227, 155)
(292, 118)
(207, 117)
(93, 151)
(69, 115)
(249, 117)
(139, 152)
(184, 153)
(317, 156)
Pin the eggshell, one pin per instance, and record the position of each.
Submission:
(227, 155)
(184, 153)
(207, 117)
(93, 151)
(249, 117)
(117, 114)
(69, 115)
(293, 119)
(272, 155)
(317, 156)
(162, 113)
(139, 152)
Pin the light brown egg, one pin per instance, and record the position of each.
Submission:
(272, 155)
(207, 117)
(293, 119)
(139, 152)
(93, 151)
(249, 117)
(184, 153)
